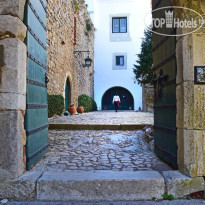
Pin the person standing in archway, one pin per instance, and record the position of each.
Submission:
(116, 101)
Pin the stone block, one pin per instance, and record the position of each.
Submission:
(12, 101)
(185, 105)
(188, 105)
(13, 52)
(188, 62)
(199, 107)
(180, 106)
(198, 167)
(180, 185)
(13, 7)
(13, 66)
(13, 81)
(198, 49)
(180, 150)
(191, 154)
(11, 144)
(12, 27)
(100, 185)
(21, 188)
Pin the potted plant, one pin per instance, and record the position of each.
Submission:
(80, 109)
(72, 109)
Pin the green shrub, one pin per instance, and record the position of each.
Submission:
(94, 105)
(87, 102)
(55, 105)
(168, 197)
(88, 25)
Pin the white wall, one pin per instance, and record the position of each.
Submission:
(105, 76)
(90, 4)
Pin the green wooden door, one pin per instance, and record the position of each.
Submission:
(67, 94)
(127, 102)
(165, 70)
(36, 118)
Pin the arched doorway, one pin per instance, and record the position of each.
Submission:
(67, 94)
(127, 101)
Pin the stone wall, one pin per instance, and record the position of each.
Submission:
(67, 33)
(12, 88)
(191, 98)
(147, 98)
(63, 39)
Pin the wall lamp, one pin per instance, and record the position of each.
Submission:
(88, 60)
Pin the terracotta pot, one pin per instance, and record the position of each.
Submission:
(72, 110)
(80, 109)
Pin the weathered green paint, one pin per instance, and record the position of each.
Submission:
(127, 102)
(165, 116)
(36, 95)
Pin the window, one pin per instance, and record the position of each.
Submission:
(119, 25)
(120, 60)
(119, 28)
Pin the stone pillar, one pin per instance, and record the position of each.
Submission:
(148, 98)
(191, 102)
(12, 88)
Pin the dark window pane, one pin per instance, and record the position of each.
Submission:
(116, 26)
(120, 60)
(117, 60)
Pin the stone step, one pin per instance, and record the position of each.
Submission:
(96, 126)
(100, 185)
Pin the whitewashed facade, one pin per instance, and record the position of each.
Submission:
(119, 29)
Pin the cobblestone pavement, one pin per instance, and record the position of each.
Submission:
(105, 117)
(99, 150)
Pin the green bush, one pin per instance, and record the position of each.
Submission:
(87, 102)
(88, 25)
(94, 105)
(168, 197)
(55, 105)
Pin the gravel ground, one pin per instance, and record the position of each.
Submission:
(105, 117)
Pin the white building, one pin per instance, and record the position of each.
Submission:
(119, 28)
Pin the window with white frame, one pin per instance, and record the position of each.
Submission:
(119, 25)
(119, 61)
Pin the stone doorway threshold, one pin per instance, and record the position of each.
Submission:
(99, 185)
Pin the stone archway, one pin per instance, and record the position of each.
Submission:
(67, 94)
(127, 100)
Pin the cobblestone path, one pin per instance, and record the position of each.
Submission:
(99, 150)
(106, 117)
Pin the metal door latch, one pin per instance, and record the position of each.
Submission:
(159, 82)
